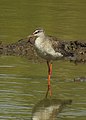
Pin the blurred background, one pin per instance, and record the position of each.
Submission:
(62, 18)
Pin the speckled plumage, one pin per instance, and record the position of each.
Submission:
(45, 49)
(52, 48)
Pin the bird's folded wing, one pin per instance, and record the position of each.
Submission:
(75, 50)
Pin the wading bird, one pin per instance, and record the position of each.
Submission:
(51, 48)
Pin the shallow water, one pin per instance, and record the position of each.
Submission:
(24, 83)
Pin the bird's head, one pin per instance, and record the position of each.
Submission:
(38, 32)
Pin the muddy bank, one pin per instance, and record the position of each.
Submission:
(25, 47)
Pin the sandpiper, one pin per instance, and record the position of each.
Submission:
(51, 48)
(48, 48)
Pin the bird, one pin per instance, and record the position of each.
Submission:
(51, 48)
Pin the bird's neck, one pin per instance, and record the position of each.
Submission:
(39, 40)
(42, 36)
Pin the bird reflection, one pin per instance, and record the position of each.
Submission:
(47, 109)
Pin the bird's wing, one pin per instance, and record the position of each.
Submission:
(58, 45)
(76, 50)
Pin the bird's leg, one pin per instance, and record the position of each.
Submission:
(50, 69)
(49, 75)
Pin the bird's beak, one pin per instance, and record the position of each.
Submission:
(30, 36)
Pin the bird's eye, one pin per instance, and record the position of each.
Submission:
(37, 32)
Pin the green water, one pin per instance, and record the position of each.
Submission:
(23, 83)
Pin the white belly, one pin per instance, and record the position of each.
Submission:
(45, 50)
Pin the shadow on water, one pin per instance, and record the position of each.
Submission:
(48, 109)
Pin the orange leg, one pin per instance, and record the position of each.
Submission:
(49, 76)
(50, 69)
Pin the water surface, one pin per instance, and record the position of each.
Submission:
(23, 84)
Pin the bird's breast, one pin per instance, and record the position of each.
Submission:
(45, 49)
(40, 45)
